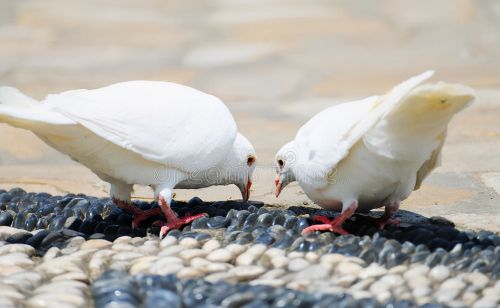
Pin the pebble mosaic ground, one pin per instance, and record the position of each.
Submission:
(240, 255)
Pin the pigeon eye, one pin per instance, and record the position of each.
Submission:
(281, 163)
(250, 160)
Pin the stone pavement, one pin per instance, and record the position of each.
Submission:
(275, 63)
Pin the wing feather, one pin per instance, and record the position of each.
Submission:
(163, 122)
(323, 142)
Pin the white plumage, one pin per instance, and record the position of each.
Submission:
(373, 152)
(140, 132)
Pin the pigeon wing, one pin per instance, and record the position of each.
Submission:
(164, 122)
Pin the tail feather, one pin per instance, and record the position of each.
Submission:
(413, 129)
(19, 110)
(13, 97)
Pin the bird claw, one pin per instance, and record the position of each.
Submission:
(327, 224)
(382, 222)
(139, 217)
(178, 223)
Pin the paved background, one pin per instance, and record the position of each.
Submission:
(275, 63)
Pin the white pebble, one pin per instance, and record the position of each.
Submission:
(236, 249)
(246, 258)
(211, 245)
(215, 267)
(24, 280)
(165, 266)
(126, 256)
(271, 252)
(399, 269)
(275, 273)
(80, 276)
(416, 270)
(142, 265)
(52, 253)
(125, 239)
(220, 255)
(379, 287)
(188, 273)
(469, 298)
(348, 268)
(189, 254)
(148, 250)
(123, 247)
(245, 273)
(362, 284)
(383, 296)
(344, 281)
(439, 273)
(421, 292)
(279, 261)
(393, 280)
(16, 259)
(478, 280)
(257, 249)
(172, 250)
(20, 248)
(372, 271)
(189, 242)
(485, 303)
(332, 258)
(267, 282)
(297, 264)
(168, 241)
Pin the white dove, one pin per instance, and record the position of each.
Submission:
(153, 133)
(373, 152)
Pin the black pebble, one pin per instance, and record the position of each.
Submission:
(162, 298)
(87, 227)
(19, 238)
(200, 223)
(264, 238)
(57, 223)
(6, 218)
(218, 222)
(124, 220)
(36, 239)
(31, 221)
(195, 201)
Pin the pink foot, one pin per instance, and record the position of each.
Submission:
(178, 223)
(382, 221)
(326, 227)
(173, 221)
(334, 225)
(138, 214)
(143, 215)
(388, 217)
(127, 207)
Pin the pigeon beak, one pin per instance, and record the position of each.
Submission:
(245, 192)
(279, 187)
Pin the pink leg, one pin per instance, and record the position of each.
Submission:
(388, 217)
(145, 215)
(173, 221)
(138, 214)
(334, 225)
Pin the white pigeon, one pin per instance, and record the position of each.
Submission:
(153, 133)
(374, 152)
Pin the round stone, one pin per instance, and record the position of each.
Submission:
(298, 264)
(439, 273)
(220, 255)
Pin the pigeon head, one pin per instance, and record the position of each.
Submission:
(240, 165)
(285, 160)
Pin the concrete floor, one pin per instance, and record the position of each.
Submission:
(275, 63)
